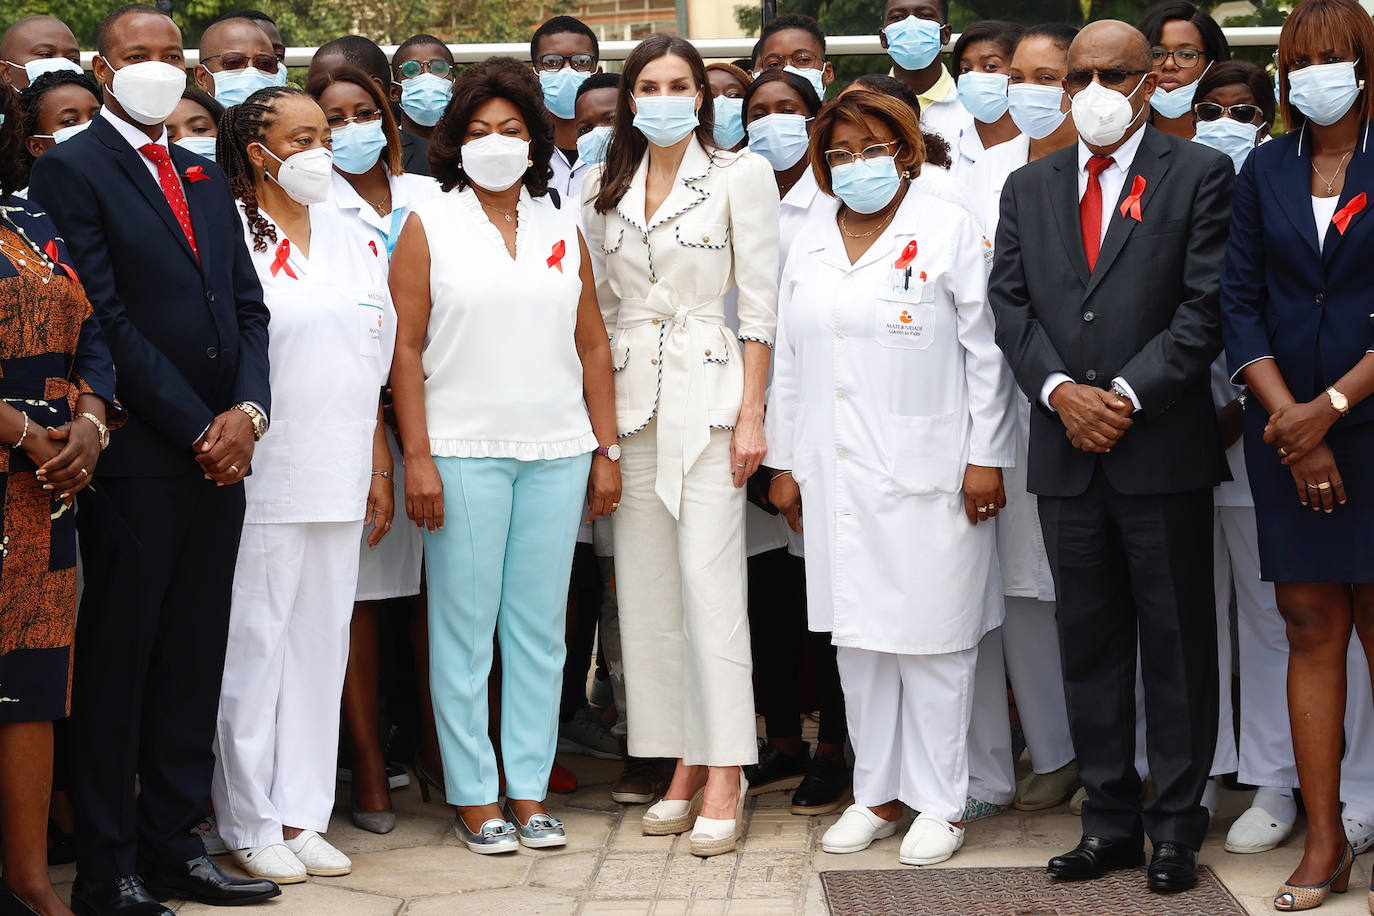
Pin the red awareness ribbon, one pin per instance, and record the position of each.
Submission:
(1347, 213)
(196, 173)
(907, 256)
(1131, 205)
(373, 245)
(279, 261)
(556, 256)
(50, 250)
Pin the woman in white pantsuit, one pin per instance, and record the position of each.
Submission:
(320, 471)
(673, 223)
(891, 409)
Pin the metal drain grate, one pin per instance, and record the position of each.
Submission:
(1016, 892)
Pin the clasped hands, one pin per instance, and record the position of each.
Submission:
(1298, 432)
(1094, 419)
(225, 451)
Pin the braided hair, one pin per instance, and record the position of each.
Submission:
(240, 125)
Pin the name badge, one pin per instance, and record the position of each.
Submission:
(905, 321)
(370, 318)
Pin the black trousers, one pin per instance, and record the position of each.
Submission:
(1128, 569)
(584, 611)
(777, 631)
(158, 555)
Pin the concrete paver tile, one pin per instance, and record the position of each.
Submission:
(643, 906)
(410, 831)
(572, 871)
(760, 906)
(528, 901)
(313, 898)
(426, 870)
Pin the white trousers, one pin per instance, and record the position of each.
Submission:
(278, 735)
(908, 721)
(1357, 766)
(1030, 643)
(684, 627)
(991, 769)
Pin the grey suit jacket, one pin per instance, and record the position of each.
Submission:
(1148, 312)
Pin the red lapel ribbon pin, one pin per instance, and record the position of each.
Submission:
(907, 256)
(373, 245)
(556, 256)
(1347, 213)
(196, 173)
(1131, 205)
(50, 250)
(279, 261)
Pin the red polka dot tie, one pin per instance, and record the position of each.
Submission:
(171, 189)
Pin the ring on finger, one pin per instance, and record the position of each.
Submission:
(234, 468)
(83, 472)
(1283, 452)
(1324, 485)
(1313, 486)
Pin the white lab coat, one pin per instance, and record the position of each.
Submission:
(881, 397)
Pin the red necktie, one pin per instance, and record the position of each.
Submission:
(171, 189)
(1090, 209)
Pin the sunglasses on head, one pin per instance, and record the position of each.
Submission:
(1211, 111)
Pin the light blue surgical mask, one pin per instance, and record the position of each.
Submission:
(591, 146)
(357, 146)
(665, 119)
(1324, 92)
(729, 121)
(913, 43)
(199, 144)
(560, 90)
(816, 77)
(866, 185)
(233, 86)
(279, 79)
(984, 95)
(1229, 136)
(1035, 109)
(1175, 103)
(424, 98)
(780, 138)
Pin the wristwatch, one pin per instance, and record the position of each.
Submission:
(609, 451)
(259, 420)
(101, 429)
(1338, 401)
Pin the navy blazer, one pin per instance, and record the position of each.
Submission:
(1147, 312)
(188, 337)
(1280, 296)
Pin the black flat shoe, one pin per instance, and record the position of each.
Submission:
(203, 881)
(124, 896)
(1093, 857)
(1173, 867)
(775, 770)
(825, 789)
(11, 904)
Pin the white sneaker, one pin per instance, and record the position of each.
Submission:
(319, 858)
(930, 840)
(274, 862)
(1256, 831)
(856, 830)
(1359, 830)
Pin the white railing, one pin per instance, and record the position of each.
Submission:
(711, 48)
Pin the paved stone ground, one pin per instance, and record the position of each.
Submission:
(420, 869)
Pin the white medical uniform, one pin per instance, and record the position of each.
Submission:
(392, 568)
(331, 339)
(942, 113)
(1029, 636)
(887, 387)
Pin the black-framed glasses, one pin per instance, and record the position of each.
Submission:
(1078, 80)
(1184, 58)
(584, 62)
(366, 116)
(802, 60)
(232, 60)
(1211, 111)
(838, 157)
(413, 68)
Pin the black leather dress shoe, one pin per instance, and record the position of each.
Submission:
(775, 770)
(202, 880)
(824, 790)
(1173, 867)
(124, 896)
(1093, 857)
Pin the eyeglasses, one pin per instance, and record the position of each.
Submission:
(362, 117)
(583, 62)
(838, 157)
(413, 68)
(1184, 58)
(232, 60)
(802, 60)
(1211, 111)
(1078, 80)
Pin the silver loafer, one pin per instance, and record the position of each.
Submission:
(542, 830)
(495, 835)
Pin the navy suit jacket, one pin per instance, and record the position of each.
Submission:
(1280, 296)
(1148, 313)
(188, 337)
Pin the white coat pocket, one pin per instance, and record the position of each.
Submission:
(370, 318)
(905, 320)
(927, 454)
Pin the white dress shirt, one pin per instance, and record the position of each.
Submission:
(137, 139)
(567, 178)
(1112, 179)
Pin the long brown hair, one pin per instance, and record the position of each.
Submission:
(391, 156)
(628, 145)
(1335, 24)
